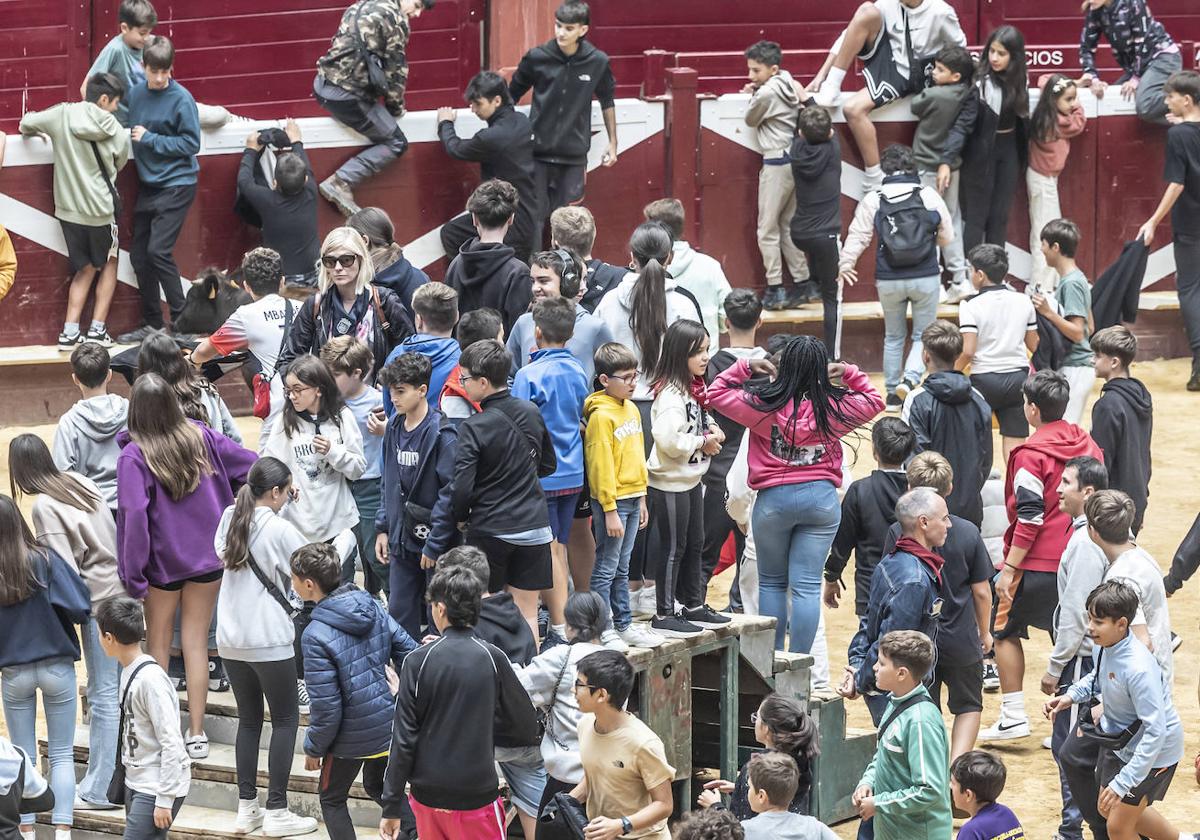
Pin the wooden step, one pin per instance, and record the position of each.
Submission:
(193, 823)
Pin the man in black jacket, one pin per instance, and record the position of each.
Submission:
(950, 417)
(565, 74)
(457, 696)
(504, 150)
(502, 452)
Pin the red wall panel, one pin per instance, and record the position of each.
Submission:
(1062, 22)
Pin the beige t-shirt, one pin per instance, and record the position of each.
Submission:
(622, 767)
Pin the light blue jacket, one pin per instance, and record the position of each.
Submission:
(554, 382)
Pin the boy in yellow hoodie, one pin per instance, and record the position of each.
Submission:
(615, 460)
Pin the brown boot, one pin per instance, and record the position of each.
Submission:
(338, 193)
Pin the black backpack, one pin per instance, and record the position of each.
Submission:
(907, 230)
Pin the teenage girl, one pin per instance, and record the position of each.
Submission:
(71, 518)
(199, 398)
(685, 437)
(796, 422)
(993, 149)
(175, 477)
(258, 653)
(1057, 118)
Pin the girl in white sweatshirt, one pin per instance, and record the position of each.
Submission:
(685, 438)
(255, 637)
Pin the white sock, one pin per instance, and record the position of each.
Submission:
(873, 176)
(559, 629)
(97, 326)
(71, 328)
(833, 81)
(1012, 705)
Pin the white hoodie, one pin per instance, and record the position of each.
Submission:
(325, 506)
(678, 426)
(251, 625)
(704, 277)
(550, 682)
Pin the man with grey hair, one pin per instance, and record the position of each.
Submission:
(905, 592)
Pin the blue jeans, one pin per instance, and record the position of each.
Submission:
(103, 674)
(19, 685)
(610, 575)
(895, 296)
(794, 526)
(1071, 826)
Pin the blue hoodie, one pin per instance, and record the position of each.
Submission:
(403, 278)
(554, 382)
(346, 646)
(443, 353)
(166, 154)
(406, 461)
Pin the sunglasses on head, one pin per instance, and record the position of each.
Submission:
(344, 260)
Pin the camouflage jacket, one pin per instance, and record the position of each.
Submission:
(384, 30)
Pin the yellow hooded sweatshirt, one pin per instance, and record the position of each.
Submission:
(614, 453)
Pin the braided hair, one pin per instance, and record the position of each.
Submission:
(804, 375)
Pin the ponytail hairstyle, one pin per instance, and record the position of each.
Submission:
(266, 475)
(683, 340)
(1014, 81)
(310, 370)
(160, 354)
(804, 375)
(792, 731)
(376, 227)
(650, 247)
(174, 449)
(1043, 127)
(587, 615)
(32, 472)
(18, 577)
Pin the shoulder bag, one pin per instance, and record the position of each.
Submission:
(116, 787)
(260, 385)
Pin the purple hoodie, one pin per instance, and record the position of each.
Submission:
(161, 540)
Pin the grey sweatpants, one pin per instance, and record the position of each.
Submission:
(139, 816)
(1149, 99)
(370, 119)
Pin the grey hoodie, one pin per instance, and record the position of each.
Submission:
(772, 112)
(85, 441)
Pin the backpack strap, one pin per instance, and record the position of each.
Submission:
(383, 322)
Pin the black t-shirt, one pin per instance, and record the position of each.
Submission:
(289, 222)
(1183, 167)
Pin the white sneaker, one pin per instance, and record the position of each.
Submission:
(611, 639)
(646, 599)
(1046, 745)
(280, 822)
(1005, 730)
(249, 817)
(197, 746)
(641, 636)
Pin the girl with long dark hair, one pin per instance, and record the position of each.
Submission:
(392, 269)
(1057, 118)
(796, 421)
(71, 518)
(197, 396)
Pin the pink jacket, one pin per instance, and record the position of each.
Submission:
(777, 457)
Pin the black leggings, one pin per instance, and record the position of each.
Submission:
(251, 681)
(640, 567)
(985, 213)
(822, 253)
(676, 539)
(337, 775)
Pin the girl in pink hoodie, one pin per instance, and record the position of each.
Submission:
(796, 422)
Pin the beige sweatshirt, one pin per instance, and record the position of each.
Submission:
(88, 541)
(772, 112)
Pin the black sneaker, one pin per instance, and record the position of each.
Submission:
(550, 640)
(991, 677)
(893, 404)
(67, 343)
(775, 298)
(906, 387)
(135, 336)
(705, 616)
(1176, 641)
(176, 673)
(674, 626)
(99, 336)
(217, 681)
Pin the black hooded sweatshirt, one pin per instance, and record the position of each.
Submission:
(949, 416)
(489, 274)
(1122, 421)
(868, 510)
(817, 171)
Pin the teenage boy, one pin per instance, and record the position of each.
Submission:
(1182, 201)
(999, 324)
(347, 647)
(85, 440)
(771, 113)
(895, 40)
(1080, 571)
(816, 158)
(1073, 315)
(1123, 418)
(904, 792)
(435, 314)
(949, 416)
(868, 510)
(166, 138)
(503, 451)
(1135, 693)
(89, 150)
(288, 208)
(414, 525)
(574, 228)
(555, 383)
(556, 275)
(157, 768)
(504, 150)
(626, 783)
(350, 86)
(701, 276)
(486, 272)
(473, 326)
(1037, 533)
(260, 326)
(976, 782)
(1142, 49)
(773, 779)
(1109, 515)
(565, 74)
(457, 695)
(905, 271)
(904, 594)
(122, 56)
(937, 108)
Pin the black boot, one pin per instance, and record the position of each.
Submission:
(775, 298)
(1194, 383)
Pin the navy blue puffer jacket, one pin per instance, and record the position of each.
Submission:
(346, 647)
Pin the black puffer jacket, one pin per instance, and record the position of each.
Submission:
(314, 325)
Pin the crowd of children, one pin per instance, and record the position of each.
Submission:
(543, 422)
